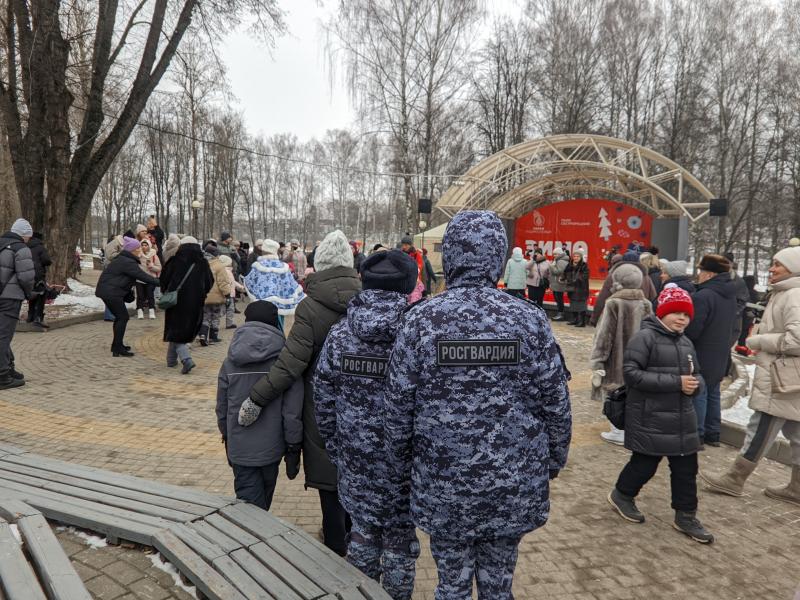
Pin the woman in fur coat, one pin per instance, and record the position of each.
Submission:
(622, 317)
(271, 279)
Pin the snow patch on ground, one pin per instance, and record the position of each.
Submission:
(81, 299)
(93, 541)
(15, 531)
(740, 413)
(162, 565)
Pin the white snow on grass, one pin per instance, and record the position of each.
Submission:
(93, 541)
(81, 298)
(162, 565)
(15, 531)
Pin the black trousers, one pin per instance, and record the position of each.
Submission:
(255, 485)
(336, 522)
(516, 293)
(559, 296)
(120, 312)
(683, 478)
(536, 294)
(145, 295)
(747, 323)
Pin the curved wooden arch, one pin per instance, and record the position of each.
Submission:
(517, 179)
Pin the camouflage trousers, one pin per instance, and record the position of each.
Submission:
(490, 562)
(387, 555)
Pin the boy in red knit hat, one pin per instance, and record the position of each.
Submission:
(662, 375)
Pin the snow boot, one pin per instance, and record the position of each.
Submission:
(213, 336)
(572, 319)
(686, 522)
(188, 365)
(151, 313)
(789, 493)
(203, 335)
(581, 320)
(559, 316)
(139, 313)
(732, 482)
(8, 381)
(625, 506)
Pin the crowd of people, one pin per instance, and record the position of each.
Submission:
(448, 412)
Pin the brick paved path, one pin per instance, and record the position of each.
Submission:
(137, 416)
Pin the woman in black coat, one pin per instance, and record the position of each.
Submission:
(41, 260)
(576, 283)
(182, 321)
(114, 288)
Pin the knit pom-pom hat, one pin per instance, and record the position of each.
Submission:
(673, 299)
(334, 251)
(626, 277)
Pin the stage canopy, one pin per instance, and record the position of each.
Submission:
(521, 178)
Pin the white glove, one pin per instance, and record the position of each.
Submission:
(248, 413)
(597, 377)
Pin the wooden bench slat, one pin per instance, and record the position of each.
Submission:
(180, 505)
(230, 529)
(265, 577)
(282, 569)
(52, 565)
(200, 573)
(310, 568)
(372, 590)
(102, 498)
(237, 576)
(350, 594)
(339, 568)
(120, 480)
(12, 509)
(96, 506)
(254, 520)
(214, 535)
(208, 550)
(87, 518)
(8, 449)
(16, 576)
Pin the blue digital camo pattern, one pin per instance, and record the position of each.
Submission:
(476, 442)
(490, 562)
(349, 409)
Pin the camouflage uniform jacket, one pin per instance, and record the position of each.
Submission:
(476, 406)
(348, 396)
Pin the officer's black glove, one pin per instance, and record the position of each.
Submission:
(553, 474)
(292, 459)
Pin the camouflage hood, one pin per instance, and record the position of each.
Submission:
(374, 315)
(474, 249)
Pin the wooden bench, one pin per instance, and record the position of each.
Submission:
(50, 575)
(227, 549)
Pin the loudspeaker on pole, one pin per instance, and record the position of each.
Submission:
(718, 207)
(424, 206)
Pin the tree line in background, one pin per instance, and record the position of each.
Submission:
(439, 85)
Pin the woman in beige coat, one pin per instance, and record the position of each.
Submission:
(776, 384)
(214, 308)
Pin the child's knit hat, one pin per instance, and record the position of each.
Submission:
(673, 299)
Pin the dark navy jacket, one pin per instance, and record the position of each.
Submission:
(476, 408)
(710, 329)
(348, 398)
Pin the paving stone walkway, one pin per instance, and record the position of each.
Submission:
(139, 417)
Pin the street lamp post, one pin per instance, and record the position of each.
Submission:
(195, 207)
(422, 226)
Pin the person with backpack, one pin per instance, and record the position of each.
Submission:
(348, 396)
(661, 377)
(17, 276)
(254, 452)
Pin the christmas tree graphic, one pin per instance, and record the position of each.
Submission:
(605, 231)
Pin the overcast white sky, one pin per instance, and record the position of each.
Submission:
(287, 89)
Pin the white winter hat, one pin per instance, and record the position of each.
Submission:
(789, 258)
(22, 228)
(226, 260)
(189, 239)
(334, 251)
(270, 247)
(258, 243)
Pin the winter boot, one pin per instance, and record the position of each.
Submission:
(686, 522)
(151, 313)
(559, 316)
(732, 482)
(8, 381)
(214, 336)
(790, 493)
(625, 506)
(572, 319)
(16, 374)
(139, 313)
(188, 365)
(581, 321)
(203, 336)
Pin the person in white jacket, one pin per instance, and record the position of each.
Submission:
(775, 399)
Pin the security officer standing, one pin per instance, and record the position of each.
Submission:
(477, 414)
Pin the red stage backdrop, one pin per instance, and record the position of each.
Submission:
(593, 225)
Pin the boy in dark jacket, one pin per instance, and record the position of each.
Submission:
(348, 398)
(255, 452)
(660, 420)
